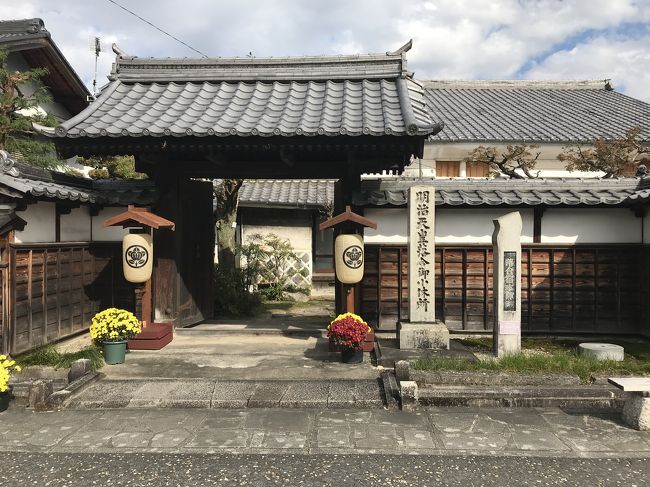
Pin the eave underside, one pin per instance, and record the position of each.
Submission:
(255, 157)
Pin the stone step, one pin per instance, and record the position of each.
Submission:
(567, 397)
(216, 330)
(203, 393)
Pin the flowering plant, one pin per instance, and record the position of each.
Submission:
(7, 366)
(114, 325)
(348, 331)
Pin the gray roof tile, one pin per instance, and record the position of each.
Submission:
(287, 193)
(327, 95)
(40, 183)
(526, 192)
(532, 111)
(22, 29)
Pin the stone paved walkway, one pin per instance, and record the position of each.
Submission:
(545, 432)
(202, 393)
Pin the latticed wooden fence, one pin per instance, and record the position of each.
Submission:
(51, 291)
(299, 271)
(565, 289)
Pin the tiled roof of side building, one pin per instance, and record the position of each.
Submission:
(524, 192)
(22, 29)
(20, 180)
(287, 193)
(36, 46)
(370, 94)
(533, 111)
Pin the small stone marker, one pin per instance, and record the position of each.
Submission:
(409, 394)
(79, 368)
(506, 241)
(636, 411)
(402, 371)
(39, 391)
(422, 330)
(602, 351)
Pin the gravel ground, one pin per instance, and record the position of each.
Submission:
(68, 470)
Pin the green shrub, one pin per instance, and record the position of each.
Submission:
(232, 295)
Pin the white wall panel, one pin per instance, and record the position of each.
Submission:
(590, 225)
(107, 234)
(75, 226)
(41, 223)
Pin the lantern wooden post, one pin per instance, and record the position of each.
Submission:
(349, 223)
(141, 221)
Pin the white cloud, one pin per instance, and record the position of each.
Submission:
(452, 38)
(625, 62)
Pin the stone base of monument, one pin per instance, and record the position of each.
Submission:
(413, 336)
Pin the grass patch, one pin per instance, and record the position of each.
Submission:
(50, 357)
(541, 356)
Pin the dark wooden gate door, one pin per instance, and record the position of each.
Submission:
(196, 252)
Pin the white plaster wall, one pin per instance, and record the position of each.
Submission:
(466, 226)
(107, 234)
(75, 226)
(574, 225)
(560, 225)
(548, 164)
(474, 225)
(391, 225)
(41, 223)
(298, 236)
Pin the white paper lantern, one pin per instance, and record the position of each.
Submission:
(137, 257)
(349, 258)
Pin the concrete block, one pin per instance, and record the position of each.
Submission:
(78, 369)
(636, 412)
(409, 395)
(423, 335)
(402, 370)
(602, 351)
(39, 392)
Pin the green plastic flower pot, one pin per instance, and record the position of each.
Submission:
(114, 352)
(5, 397)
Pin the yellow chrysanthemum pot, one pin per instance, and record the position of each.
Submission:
(112, 328)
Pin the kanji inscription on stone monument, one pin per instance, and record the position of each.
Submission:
(510, 281)
(423, 230)
(421, 254)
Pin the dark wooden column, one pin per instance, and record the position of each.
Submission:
(165, 279)
(345, 295)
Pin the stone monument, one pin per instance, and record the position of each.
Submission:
(422, 330)
(506, 241)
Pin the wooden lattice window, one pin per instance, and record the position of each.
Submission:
(447, 169)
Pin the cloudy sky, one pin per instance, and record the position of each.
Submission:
(453, 39)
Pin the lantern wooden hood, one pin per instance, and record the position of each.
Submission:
(348, 218)
(137, 217)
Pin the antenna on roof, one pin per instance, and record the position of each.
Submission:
(96, 47)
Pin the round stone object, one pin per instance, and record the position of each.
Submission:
(602, 351)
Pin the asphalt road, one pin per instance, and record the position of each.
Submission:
(104, 469)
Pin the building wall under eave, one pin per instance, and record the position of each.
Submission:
(41, 223)
(16, 62)
(75, 226)
(586, 225)
(474, 225)
(107, 234)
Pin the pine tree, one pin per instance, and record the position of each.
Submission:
(21, 96)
